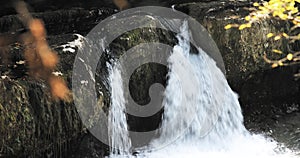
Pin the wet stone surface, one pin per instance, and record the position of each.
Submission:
(269, 97)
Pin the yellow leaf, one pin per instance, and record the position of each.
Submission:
(285, 35)
(294, 10)
(228, 26)
(274, 65)
(280, 63)
(275, 13)
(254, 17)
(295, 22)
(242, 26)
(283, 16)
(277, 51)
(255, 4)
(289, 56)
(247, 18)
(276, 38)
(269, 35)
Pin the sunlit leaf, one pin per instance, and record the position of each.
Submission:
(277, 51)
(269, 35)
(274, 65)
(242, 26)
(289, 57)
(247, 18)
(276, 38)
(285, 35)
(255, 4)
(228, 26)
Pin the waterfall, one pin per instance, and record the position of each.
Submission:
(117, 125)
(201, 113)
(208, 107)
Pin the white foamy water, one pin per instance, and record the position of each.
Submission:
(117, 125)
(201, 112)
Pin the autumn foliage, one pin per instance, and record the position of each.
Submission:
(281, 10)
(40, 58)
(121, 4)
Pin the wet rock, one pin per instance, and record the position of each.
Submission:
(242, 51)
(266, 95)
(8, 7)
(32, 123)
(77, 20)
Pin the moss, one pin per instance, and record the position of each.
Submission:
(242, 51)
(30, 121)
(16, 120)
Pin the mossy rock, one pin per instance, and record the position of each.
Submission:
(31, 122)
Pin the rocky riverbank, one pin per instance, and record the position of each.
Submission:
(34, 125)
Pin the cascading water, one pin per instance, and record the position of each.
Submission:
(208, 109)
(117, 126)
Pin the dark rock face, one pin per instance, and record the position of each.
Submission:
(31, 124)
(143, 77)
(7, 7)
(77, 20)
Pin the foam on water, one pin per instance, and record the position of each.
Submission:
(117, 125)
(208, 111)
